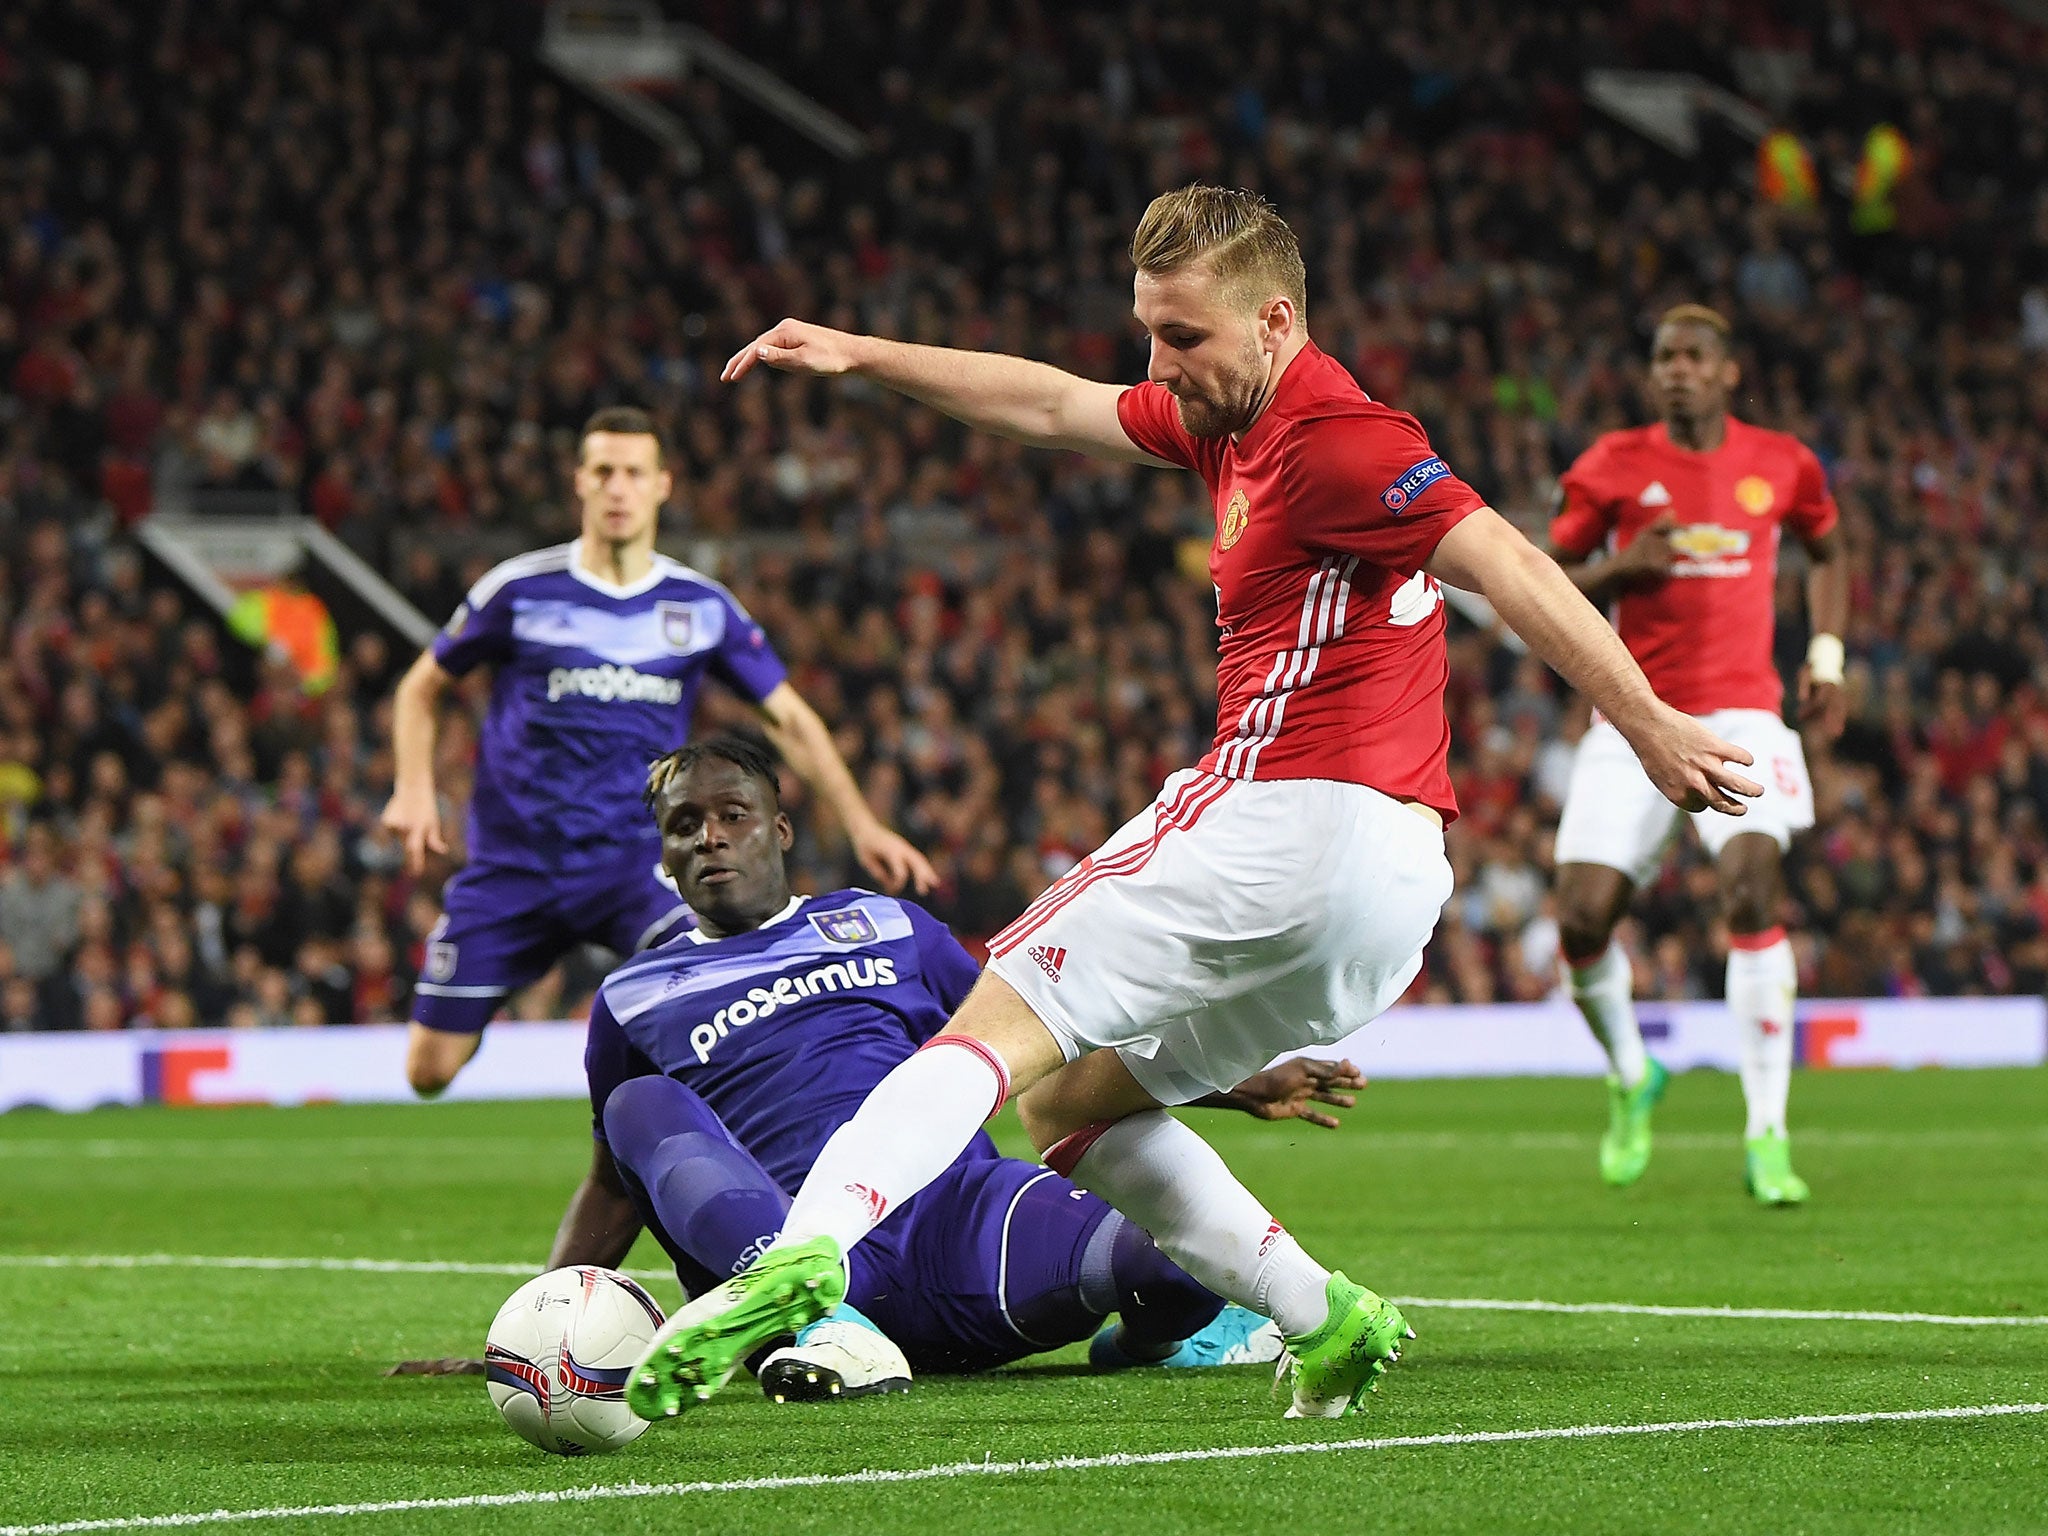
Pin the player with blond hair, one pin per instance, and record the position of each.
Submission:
(1277, 896)
(1686, 516)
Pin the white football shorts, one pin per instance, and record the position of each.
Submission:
(1231, 922)
(1614, 815)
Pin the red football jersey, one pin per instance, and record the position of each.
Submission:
(1703, 637)
(1332, 663)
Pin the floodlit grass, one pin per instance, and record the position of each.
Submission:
(160, 1391)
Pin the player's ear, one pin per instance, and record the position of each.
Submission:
(1276, 322)
(785, 834)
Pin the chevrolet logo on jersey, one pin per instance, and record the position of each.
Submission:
(1709, 541)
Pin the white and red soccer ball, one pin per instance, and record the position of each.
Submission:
(558, 1355)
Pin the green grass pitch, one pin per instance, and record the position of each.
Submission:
(164, 1391)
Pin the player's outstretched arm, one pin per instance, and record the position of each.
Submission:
(796, 731)
(1012, 397)
(413, 812)
(1484, 553)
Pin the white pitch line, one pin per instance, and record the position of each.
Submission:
(957, 1469)
(257, 1261)
(1775, 1314)
(1447, 1303)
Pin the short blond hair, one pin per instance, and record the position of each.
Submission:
(1239, 234)
(1699, 314)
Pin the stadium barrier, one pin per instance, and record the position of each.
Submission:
(366, 1064)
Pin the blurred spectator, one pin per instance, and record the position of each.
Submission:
(38, 908)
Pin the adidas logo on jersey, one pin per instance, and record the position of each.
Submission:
(613, 684)
(1048, 958)
(1654, 495)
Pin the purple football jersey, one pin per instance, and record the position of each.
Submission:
(593, 682)
(786, 1029)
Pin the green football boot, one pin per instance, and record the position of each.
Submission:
(1625, 1149)
(1333, 1368)
(1769, 1174)
(696, 1351)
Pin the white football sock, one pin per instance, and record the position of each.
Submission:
(1604, 989)
(1171, 1182)
(1763, 984)
(912, 1126)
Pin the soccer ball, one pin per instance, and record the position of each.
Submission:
(558, 1355)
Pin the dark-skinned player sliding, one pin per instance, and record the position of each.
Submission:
(720, 1062)
(1677, 524)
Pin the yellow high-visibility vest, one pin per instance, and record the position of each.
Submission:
(1887, 161)
(1784, 171)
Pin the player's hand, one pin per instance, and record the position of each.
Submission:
(416, 818)
(1292, 1090)
(1823, 707)
(1692, 767)
(1649, 556)
(795, 346)
(891, 859)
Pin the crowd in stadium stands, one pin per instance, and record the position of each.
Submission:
(381, 266)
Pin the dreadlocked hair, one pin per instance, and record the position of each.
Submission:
(750, 757)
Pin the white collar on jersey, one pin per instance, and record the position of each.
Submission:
(699, 936)
(655, 573)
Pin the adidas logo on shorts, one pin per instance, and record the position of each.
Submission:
(1048, 959)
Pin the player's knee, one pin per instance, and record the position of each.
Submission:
(1751, 902)
(1583, 931)
(1042, 1117)
(433, 1057)
(1587, 910)
(637, 1110)
(1750, 885)
(428, 1070)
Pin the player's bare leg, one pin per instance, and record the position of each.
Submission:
(1591, 899)
(1763, 985)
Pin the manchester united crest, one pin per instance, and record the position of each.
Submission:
(1236, 516)
(1754, 495)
